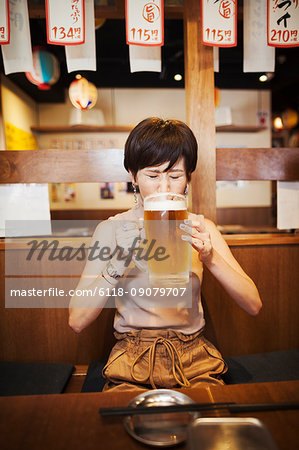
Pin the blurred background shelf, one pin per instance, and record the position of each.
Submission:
(122, 129)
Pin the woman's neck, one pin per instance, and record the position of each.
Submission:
(138, 209)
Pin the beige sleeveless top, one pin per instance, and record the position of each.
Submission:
(139, 306)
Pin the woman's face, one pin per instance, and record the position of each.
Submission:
(151, 180)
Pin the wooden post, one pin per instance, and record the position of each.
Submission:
(200, 110)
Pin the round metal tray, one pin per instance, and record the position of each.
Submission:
(160, 430)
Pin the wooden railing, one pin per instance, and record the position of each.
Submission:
(57, 166)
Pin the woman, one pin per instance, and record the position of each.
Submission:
(159, 346)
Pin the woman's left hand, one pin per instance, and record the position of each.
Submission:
(199, 238)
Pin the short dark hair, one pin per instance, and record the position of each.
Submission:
(155, 141)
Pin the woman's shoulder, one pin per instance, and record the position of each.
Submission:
(126, 215)
(108, 226)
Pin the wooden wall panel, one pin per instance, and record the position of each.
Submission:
(246, 216)
(84, 214)
(275, 272)
(43, 334)
(251, 216)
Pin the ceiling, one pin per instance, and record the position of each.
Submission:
(113, 66)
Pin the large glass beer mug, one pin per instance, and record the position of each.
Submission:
(163, 213)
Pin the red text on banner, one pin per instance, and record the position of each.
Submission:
(283, 23)
(4, 22)
(219, 22)
(65, 22)
(144, 22)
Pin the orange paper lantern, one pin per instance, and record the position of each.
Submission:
(289, 118)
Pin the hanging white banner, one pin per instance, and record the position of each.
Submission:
(216, 59)
(25, 209)
(65, 22)
(258, 56)
(17, 55)
(145, 59)
(145, 22)
(83, 57)
(4, 22)
(219, 22)
(287, 205)
(283, 23)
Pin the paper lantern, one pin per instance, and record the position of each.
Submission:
(46, 69)
(289, 118)
(82, 93)
(277, 123)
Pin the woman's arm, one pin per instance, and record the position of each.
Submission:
(110, 252)
(84, 309)
(214, 252)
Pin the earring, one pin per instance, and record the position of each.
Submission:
(186, 190)
(135, 194)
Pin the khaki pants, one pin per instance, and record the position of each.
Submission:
(149, 359)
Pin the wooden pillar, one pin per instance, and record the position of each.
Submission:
(200, 110)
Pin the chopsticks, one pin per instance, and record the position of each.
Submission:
(198, 407)
(132, 411)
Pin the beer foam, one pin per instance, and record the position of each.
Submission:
(165, 205)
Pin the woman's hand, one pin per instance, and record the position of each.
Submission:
(214, 252)
(128, 237)
(199, 238)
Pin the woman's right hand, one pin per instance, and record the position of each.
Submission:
(128, 237)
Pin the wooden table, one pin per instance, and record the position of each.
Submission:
(72, 421)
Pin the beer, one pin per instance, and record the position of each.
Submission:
(163, 213)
